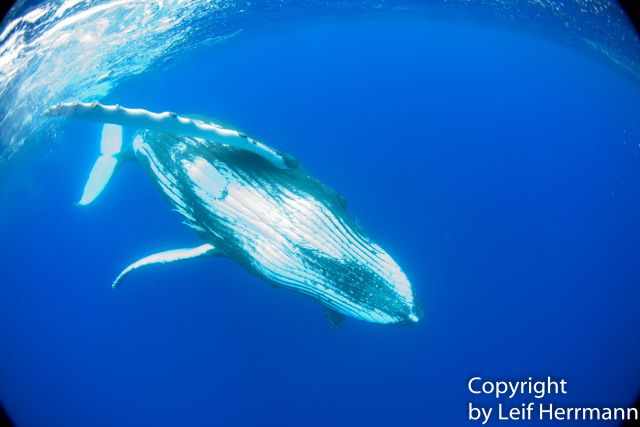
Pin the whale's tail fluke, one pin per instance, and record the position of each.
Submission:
(105, 165)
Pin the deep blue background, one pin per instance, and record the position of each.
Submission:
(501, 170)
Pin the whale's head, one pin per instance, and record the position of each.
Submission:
(363, 282)
(282, 225)
(309, 243)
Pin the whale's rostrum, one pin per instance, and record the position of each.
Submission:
(258, 208)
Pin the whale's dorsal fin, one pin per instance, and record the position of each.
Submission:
(105, 165)
(166, 257)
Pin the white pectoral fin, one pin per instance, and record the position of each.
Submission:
(111, 140)
(105, 166)
(166, 257)
(172, 123)
(99, 177)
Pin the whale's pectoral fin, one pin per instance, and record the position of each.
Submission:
(110, 147)
(166, 257)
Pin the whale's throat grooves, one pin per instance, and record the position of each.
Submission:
(280, 224)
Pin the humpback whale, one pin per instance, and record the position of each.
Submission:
(252, 204)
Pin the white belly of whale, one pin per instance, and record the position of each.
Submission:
(284, 235)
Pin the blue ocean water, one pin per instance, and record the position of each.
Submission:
(499, 167)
